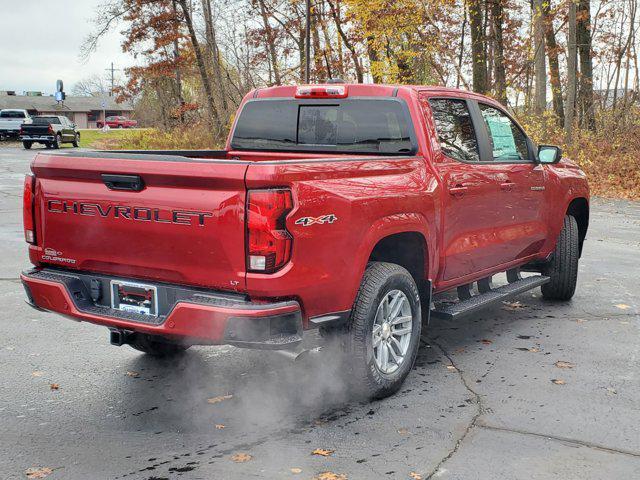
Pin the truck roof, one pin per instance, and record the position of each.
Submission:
(366, 89)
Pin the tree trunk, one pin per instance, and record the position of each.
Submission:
(346, 41)
(461, 51)
(554, 64)
(498, 51)
(583, 39)
(373, 58)
(214, 52)
(540, 64)
(176, 59)
(479, 66)
(215, 117)
(572, 77)
(271, 43)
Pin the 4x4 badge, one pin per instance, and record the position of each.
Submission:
(306, 221)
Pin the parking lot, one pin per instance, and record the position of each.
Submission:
(526, 390)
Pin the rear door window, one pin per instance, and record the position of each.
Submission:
(353, 125)
(454, 127)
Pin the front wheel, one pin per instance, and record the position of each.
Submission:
(76, 140)
(384, 330)
(563, 267)
(150, 345)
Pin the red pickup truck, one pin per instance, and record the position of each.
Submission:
(349, 208)
(117, 122)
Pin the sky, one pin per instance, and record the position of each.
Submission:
(40, 42)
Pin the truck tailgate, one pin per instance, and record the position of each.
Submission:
(185, 224)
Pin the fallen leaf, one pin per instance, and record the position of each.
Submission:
(623, 306)
(133, 374)
(41, 472)
(580, 320)
(563, 364)
(241, 457)
(54, 386)
(219, 398)
(415, 476)
(403, 431)
(330, 476)
(37, 374)
(322, 452)
(513, 306)
(533, 350)
(452, 368)
(459, 350)
(220, 426)
(486, 341)
(612, 391)
(557, 381)
(295, 470)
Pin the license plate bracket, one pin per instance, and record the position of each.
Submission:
(134, 297)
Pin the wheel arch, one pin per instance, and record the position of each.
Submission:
(578, 208)
(408, 249)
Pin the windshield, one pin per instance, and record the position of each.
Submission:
(336, 125)
(12, 114)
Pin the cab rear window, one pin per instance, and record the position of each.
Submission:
(46, 120)
(348, 126)
(12, 114)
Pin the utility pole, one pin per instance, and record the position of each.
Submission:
(307, 48)
(112, 70)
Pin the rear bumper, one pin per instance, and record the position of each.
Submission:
(189, 315)
(37, 138)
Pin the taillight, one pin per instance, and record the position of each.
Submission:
(269, 242)
(28, 200)
(50, 129)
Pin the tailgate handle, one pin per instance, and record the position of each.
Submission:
(123, 182)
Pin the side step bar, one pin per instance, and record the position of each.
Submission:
(488, 296)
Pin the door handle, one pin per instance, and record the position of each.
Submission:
(458, 190)
(123, 182)
(507, 186)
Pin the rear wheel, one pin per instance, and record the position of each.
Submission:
(384, 329)
(150, 345)
(56, 143)
(563, 267)
(27, 145)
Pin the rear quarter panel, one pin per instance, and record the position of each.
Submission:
(371, 198)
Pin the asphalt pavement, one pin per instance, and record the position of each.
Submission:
(527, 390)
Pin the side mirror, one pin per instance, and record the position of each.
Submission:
(549, 154)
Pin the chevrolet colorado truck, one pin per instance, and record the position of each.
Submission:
(349, 208)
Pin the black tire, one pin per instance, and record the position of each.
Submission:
(152, 346)
(379, 279)
(563, 267)
(27, 145)
(56, 143)
(76, 140)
